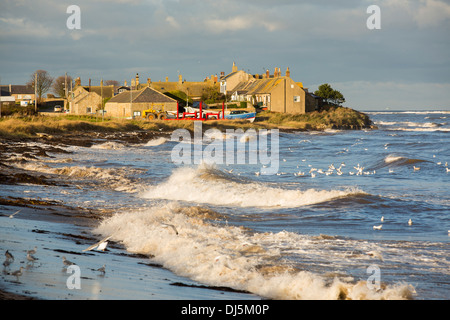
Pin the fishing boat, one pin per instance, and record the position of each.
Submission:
(241, 115)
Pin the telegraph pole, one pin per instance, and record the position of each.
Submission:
(35, 92)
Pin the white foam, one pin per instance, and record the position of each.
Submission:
(116, 178)
(156, 142)
(208, 185)
(230, 256)
(110, 145)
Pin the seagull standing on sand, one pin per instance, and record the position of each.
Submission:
(378, 227)
(30, 258)
(410, 222)
(382, 218)
(17, 273)
(102, 269)
(9, 256)
(66, 262)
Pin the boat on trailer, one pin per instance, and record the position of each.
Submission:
(241, 115)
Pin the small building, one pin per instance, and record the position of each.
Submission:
(22, 94)
(89, 99)
(130, 104)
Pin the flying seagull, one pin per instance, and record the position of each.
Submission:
(12, 215)
(101, 245)
(166, 225)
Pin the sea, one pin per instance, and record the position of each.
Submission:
(348, 214)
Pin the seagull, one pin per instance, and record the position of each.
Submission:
(375, 254)
(377, 227)
(30, 258)
(447, 169)
(101, 245)
(416, 168)
(12, 216)
(102, 269)
(410, 222)
(382, 218)
(67, 262)
(166, 225)
(6, 263)
(32, 251)
(8, 255)
(17, 273)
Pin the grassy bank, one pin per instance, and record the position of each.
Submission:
(30, 126)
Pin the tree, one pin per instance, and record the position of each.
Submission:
(328, 94)
(44, 82)
(59, 85)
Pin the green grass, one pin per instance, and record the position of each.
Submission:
(29, 126)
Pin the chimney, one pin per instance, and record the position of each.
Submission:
(288, 73)
(167, 79)
(267, 74)
(180, 79)
(222, 74)
(149, 81)
(137, 80)
(10, 89)
(125, 83)
(77, 82)
(89, 84)
(234, 69)
(275, 72)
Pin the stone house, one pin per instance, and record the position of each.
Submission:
(89, 99)
(130, 104)
(276, 93)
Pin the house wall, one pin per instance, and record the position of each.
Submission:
(288, 97)
(233, 80)
(127, 110)
(84, 102)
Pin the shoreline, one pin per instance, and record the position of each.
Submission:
(62, 230)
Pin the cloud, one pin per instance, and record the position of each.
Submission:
(241, 22)
(433, 13)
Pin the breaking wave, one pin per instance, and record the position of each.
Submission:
(209, 185)
(156, 142)
(115, 178)
(217, 255)
(110, 145)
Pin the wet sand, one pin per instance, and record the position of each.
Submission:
(59, 230)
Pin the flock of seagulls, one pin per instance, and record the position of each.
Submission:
(379, 227)
(31, 259)
(9, 259)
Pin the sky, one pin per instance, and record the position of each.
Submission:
(404, 65)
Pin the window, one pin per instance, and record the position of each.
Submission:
(136, 114)
(296, 98)
(88, 110)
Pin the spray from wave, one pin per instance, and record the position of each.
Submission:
(184, 242)
(206, 184)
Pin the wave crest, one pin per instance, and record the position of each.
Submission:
(211, 186)
(230, 256)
